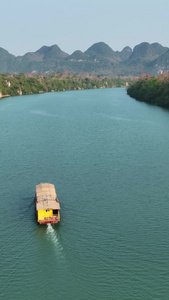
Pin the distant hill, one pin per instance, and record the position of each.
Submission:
(161, 64)
(125, 53)
(99, 59)
(101, 51)
(51, 53)
(147, 51)
(6, 60)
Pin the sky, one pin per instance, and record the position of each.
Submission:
(73, 25)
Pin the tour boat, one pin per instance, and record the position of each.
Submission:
(47, 204)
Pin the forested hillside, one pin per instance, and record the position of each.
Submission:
(25, 84)
(154, 90)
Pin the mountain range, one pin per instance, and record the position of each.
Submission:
(99, 59)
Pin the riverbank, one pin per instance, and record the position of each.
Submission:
(153, 90)
(26, 84)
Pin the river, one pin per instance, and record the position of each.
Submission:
(108, 157)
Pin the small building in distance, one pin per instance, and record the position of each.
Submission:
(47, 204)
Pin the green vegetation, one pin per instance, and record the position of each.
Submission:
(25, 84)
(153, 90)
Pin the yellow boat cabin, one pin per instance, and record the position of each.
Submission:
(47, 204)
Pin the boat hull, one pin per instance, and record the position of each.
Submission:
(48, 221)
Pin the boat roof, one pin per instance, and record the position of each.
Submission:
(46, 197)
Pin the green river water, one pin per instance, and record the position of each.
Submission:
(108, 157)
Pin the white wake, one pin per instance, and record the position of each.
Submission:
(52, 236)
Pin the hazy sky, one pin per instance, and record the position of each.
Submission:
(77, 24)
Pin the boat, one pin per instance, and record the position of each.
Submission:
(47, 204)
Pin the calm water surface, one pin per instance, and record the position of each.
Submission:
(108, 157)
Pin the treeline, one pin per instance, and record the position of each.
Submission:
(25, 84)
(153, 90)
